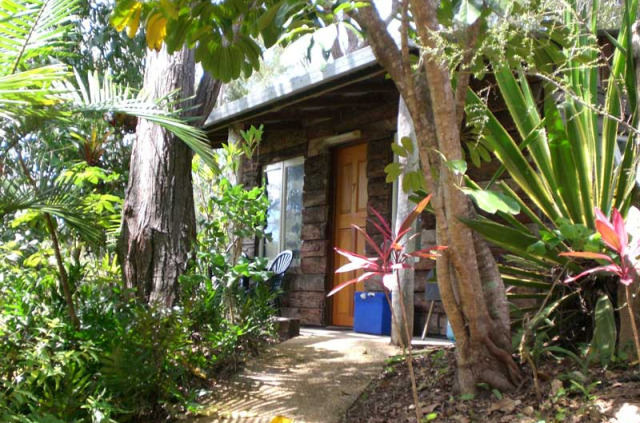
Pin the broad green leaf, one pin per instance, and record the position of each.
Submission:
(514, 240)
(393, 170)
(474, 155)
(445, 12)
(398, 150)
(407, 143)
(492, 201)
(603, 342)
(467, 11)
(459, 167)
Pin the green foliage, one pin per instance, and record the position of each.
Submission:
(603, 343)
(127, 360)
(227, 214)
(412, 180)
(561, 160)
(96, 46)
(63, 152)
(224, 33)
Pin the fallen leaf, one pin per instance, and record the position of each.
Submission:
(429, 408)
(556, 386)
(505, 405)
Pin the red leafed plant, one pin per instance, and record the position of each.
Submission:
(625, 265)
(391, 256)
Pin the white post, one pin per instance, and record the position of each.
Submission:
(403, 208)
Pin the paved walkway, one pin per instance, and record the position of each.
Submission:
(313, 378)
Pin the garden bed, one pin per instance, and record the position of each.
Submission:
(611, 396)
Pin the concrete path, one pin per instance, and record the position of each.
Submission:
(313, 378)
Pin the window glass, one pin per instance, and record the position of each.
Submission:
(293, 211)
(284, 182)
(273, 175)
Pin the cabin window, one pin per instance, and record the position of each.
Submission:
(284, 181)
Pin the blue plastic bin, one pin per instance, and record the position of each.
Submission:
(450, 335)
(372, 313)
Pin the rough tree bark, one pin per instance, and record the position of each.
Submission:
(625, 336)
(158, 225)
(470, 285)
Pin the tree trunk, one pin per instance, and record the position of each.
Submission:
(470, 286)
(159, 218)
(625, 336)
(404, 208)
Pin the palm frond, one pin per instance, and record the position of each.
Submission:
(30, 92)
(60, 200)
(31, 29)
(104, 96)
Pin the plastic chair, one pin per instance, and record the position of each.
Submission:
(279, 267)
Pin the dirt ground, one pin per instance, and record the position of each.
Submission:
(566, 395)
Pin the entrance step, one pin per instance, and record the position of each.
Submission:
(287, 327)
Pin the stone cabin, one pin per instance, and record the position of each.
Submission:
(327, 139)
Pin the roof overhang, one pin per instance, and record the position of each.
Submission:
(359, 67)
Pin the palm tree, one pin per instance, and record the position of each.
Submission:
(36, 84)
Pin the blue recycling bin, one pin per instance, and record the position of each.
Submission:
(372, 313)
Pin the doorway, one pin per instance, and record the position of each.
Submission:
(350, 208)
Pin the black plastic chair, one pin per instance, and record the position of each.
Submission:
(279, 267)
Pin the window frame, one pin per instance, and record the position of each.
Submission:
(284, 164)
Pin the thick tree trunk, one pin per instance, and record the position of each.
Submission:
(625, 336)
(470, 286)
(403, 209)
(159, 218)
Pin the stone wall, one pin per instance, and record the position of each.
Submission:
(307, 299)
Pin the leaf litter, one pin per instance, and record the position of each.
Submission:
(605, 396)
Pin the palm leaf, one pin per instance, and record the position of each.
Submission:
(32, 29)
(60, 200)
(102, 95)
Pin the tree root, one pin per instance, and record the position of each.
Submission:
(514, 371)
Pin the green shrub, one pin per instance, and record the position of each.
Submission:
(128, 361)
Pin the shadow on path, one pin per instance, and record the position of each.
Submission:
(313, 378)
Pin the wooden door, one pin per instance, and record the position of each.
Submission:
(350, 207)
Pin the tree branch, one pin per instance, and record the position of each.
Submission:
(463, 73)
(384, 48)
(395, 8)
(206, 97)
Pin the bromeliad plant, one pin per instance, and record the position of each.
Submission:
(623, 264)
(564, 159)
(391, 256)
